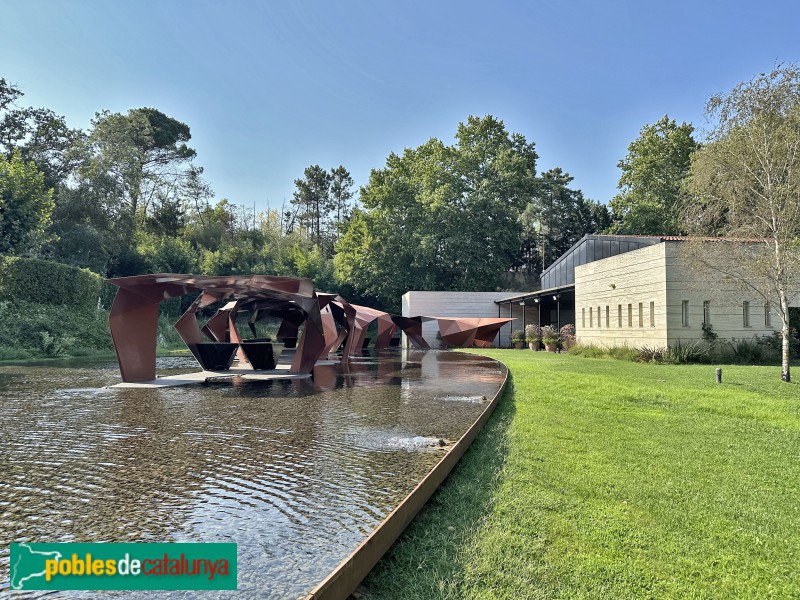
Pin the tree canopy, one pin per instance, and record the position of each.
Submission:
(653, 173)
(25, 204)
(557, 217)
(441, 217)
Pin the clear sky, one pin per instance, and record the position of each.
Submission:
(269, 88)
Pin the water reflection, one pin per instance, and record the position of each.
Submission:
(297, 472)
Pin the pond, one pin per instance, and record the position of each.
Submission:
(296, 472)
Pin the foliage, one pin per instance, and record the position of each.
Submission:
(441, 217)
(709, 335)
(321, 205)
(653, 173)
(747, 351)
(517, 336)
(550, 335)
(135, 156)
(680, 353)
(745, 184)
(615, 352)
(533, 333)
(165, 254)
(25, 204)
(45, 282)
(29, 329)
(557, 217)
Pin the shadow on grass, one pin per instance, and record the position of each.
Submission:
(428, 560)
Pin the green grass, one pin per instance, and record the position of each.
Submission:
(609, 479)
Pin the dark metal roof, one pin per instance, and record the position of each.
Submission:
(536, 294)
(589, 249)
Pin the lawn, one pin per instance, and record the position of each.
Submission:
(609, 479)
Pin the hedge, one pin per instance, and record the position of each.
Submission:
(46, 282)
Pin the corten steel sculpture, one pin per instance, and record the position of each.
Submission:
(336, 311)
(412, 327)
(134, 314)
(464, 332)
(363, 317)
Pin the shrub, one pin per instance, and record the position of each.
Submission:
(517, 336)
(684, 354)
(680, 353)
(747, 351)
(647, 354)
(29, 329)
(615, 352)
(567, 335)
(46, 282)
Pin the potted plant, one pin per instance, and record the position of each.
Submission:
(518, 338)
(533, 335)
(550, 338)
(567, 334)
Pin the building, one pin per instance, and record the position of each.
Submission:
(618, 290)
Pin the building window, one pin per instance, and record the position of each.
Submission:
(583, 317)
(598, 317)
(608, 324)
(630, 315)
(685, 313)
(746, 314)
(619, 314)
(591, 317)
(767, 315)
(706, 312)
(652, 314)
(641, 315)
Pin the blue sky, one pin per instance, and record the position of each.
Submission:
(269, 88)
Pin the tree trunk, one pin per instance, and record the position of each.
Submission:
(785, 372)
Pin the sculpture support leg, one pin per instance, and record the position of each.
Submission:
(134, 325)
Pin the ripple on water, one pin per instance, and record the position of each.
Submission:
(296, 472)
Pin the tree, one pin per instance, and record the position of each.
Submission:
(25, 204)
(311, 201)
(556, 218)
(441, 217)
(136, 154)
(38, 134)
(653, 173)
(746, 184)
(341, 192)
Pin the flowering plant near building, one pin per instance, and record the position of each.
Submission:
(549, 335)
(533, 333)
(567, 334)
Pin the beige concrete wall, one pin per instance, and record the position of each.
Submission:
(659, 274)
(464, 304)
(634, 278)
(725, 297)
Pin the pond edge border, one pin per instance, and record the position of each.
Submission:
(346, 577)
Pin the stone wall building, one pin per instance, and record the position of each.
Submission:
(618, 290)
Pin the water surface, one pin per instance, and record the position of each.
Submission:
(296, 472)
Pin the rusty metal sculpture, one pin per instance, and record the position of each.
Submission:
(134, 314)
(327, 321)
(412, 327)
(466, 332)
(364, 316)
